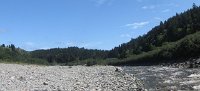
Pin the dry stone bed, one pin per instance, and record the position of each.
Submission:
(14, 77)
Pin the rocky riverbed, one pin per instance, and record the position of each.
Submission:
(159, 78)
(14, 77)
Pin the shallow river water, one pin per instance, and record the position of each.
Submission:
(155, 78)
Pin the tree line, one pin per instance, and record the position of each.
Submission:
(68, 55)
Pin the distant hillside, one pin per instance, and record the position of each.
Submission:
(171, 30)
(174, 40)
(68, 55)
(173, 52)
(56, 56)
(11, 54)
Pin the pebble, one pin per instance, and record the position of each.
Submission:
(15, 77)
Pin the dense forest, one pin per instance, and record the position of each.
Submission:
(68, 55)
(11, 54)
(168, 34)
(176, 38)
(171, 30)
(173, 52)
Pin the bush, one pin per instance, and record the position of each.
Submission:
(91, 63)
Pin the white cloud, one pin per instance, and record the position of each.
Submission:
(29, 43)
(125, 35)
(166, 10)
(85, 45)
(102, 2)
(64, 44)
(90, 45)
(158, 18)
(29, 46)
(44, 48)
(78, 44)
(70, 44)
(149, 7)
(144, 7)
(173, 4)
(137, 25)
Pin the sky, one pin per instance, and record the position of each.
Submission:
(93, 24)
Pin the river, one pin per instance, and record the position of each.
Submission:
(156, 78)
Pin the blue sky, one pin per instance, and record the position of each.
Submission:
(94, 24)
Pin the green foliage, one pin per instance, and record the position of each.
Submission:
(185, 48)
(11, 54)
(90, 63)
(68, 55)
(174, 29)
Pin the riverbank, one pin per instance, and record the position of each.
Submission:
(159, 78)
(184, 63)
(15, 77)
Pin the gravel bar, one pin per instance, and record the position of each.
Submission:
(15, 77)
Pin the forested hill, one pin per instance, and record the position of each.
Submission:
(11, 54)
(61, 56)
(171, 30)
(68, 55)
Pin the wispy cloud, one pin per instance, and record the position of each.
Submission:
(158, 18)
(144, 7)
(29, 46)
(70, 44)
(65, 43)
(166, 10)
(149, 7)
(102, 2)
(94, 45)
(125, 35)
(45, 48)
(173, 4)
(137, 25)
(29, 43)
(85, 45)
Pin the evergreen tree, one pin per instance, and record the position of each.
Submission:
(3, 45)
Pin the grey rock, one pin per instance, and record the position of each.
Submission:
(64, 78)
